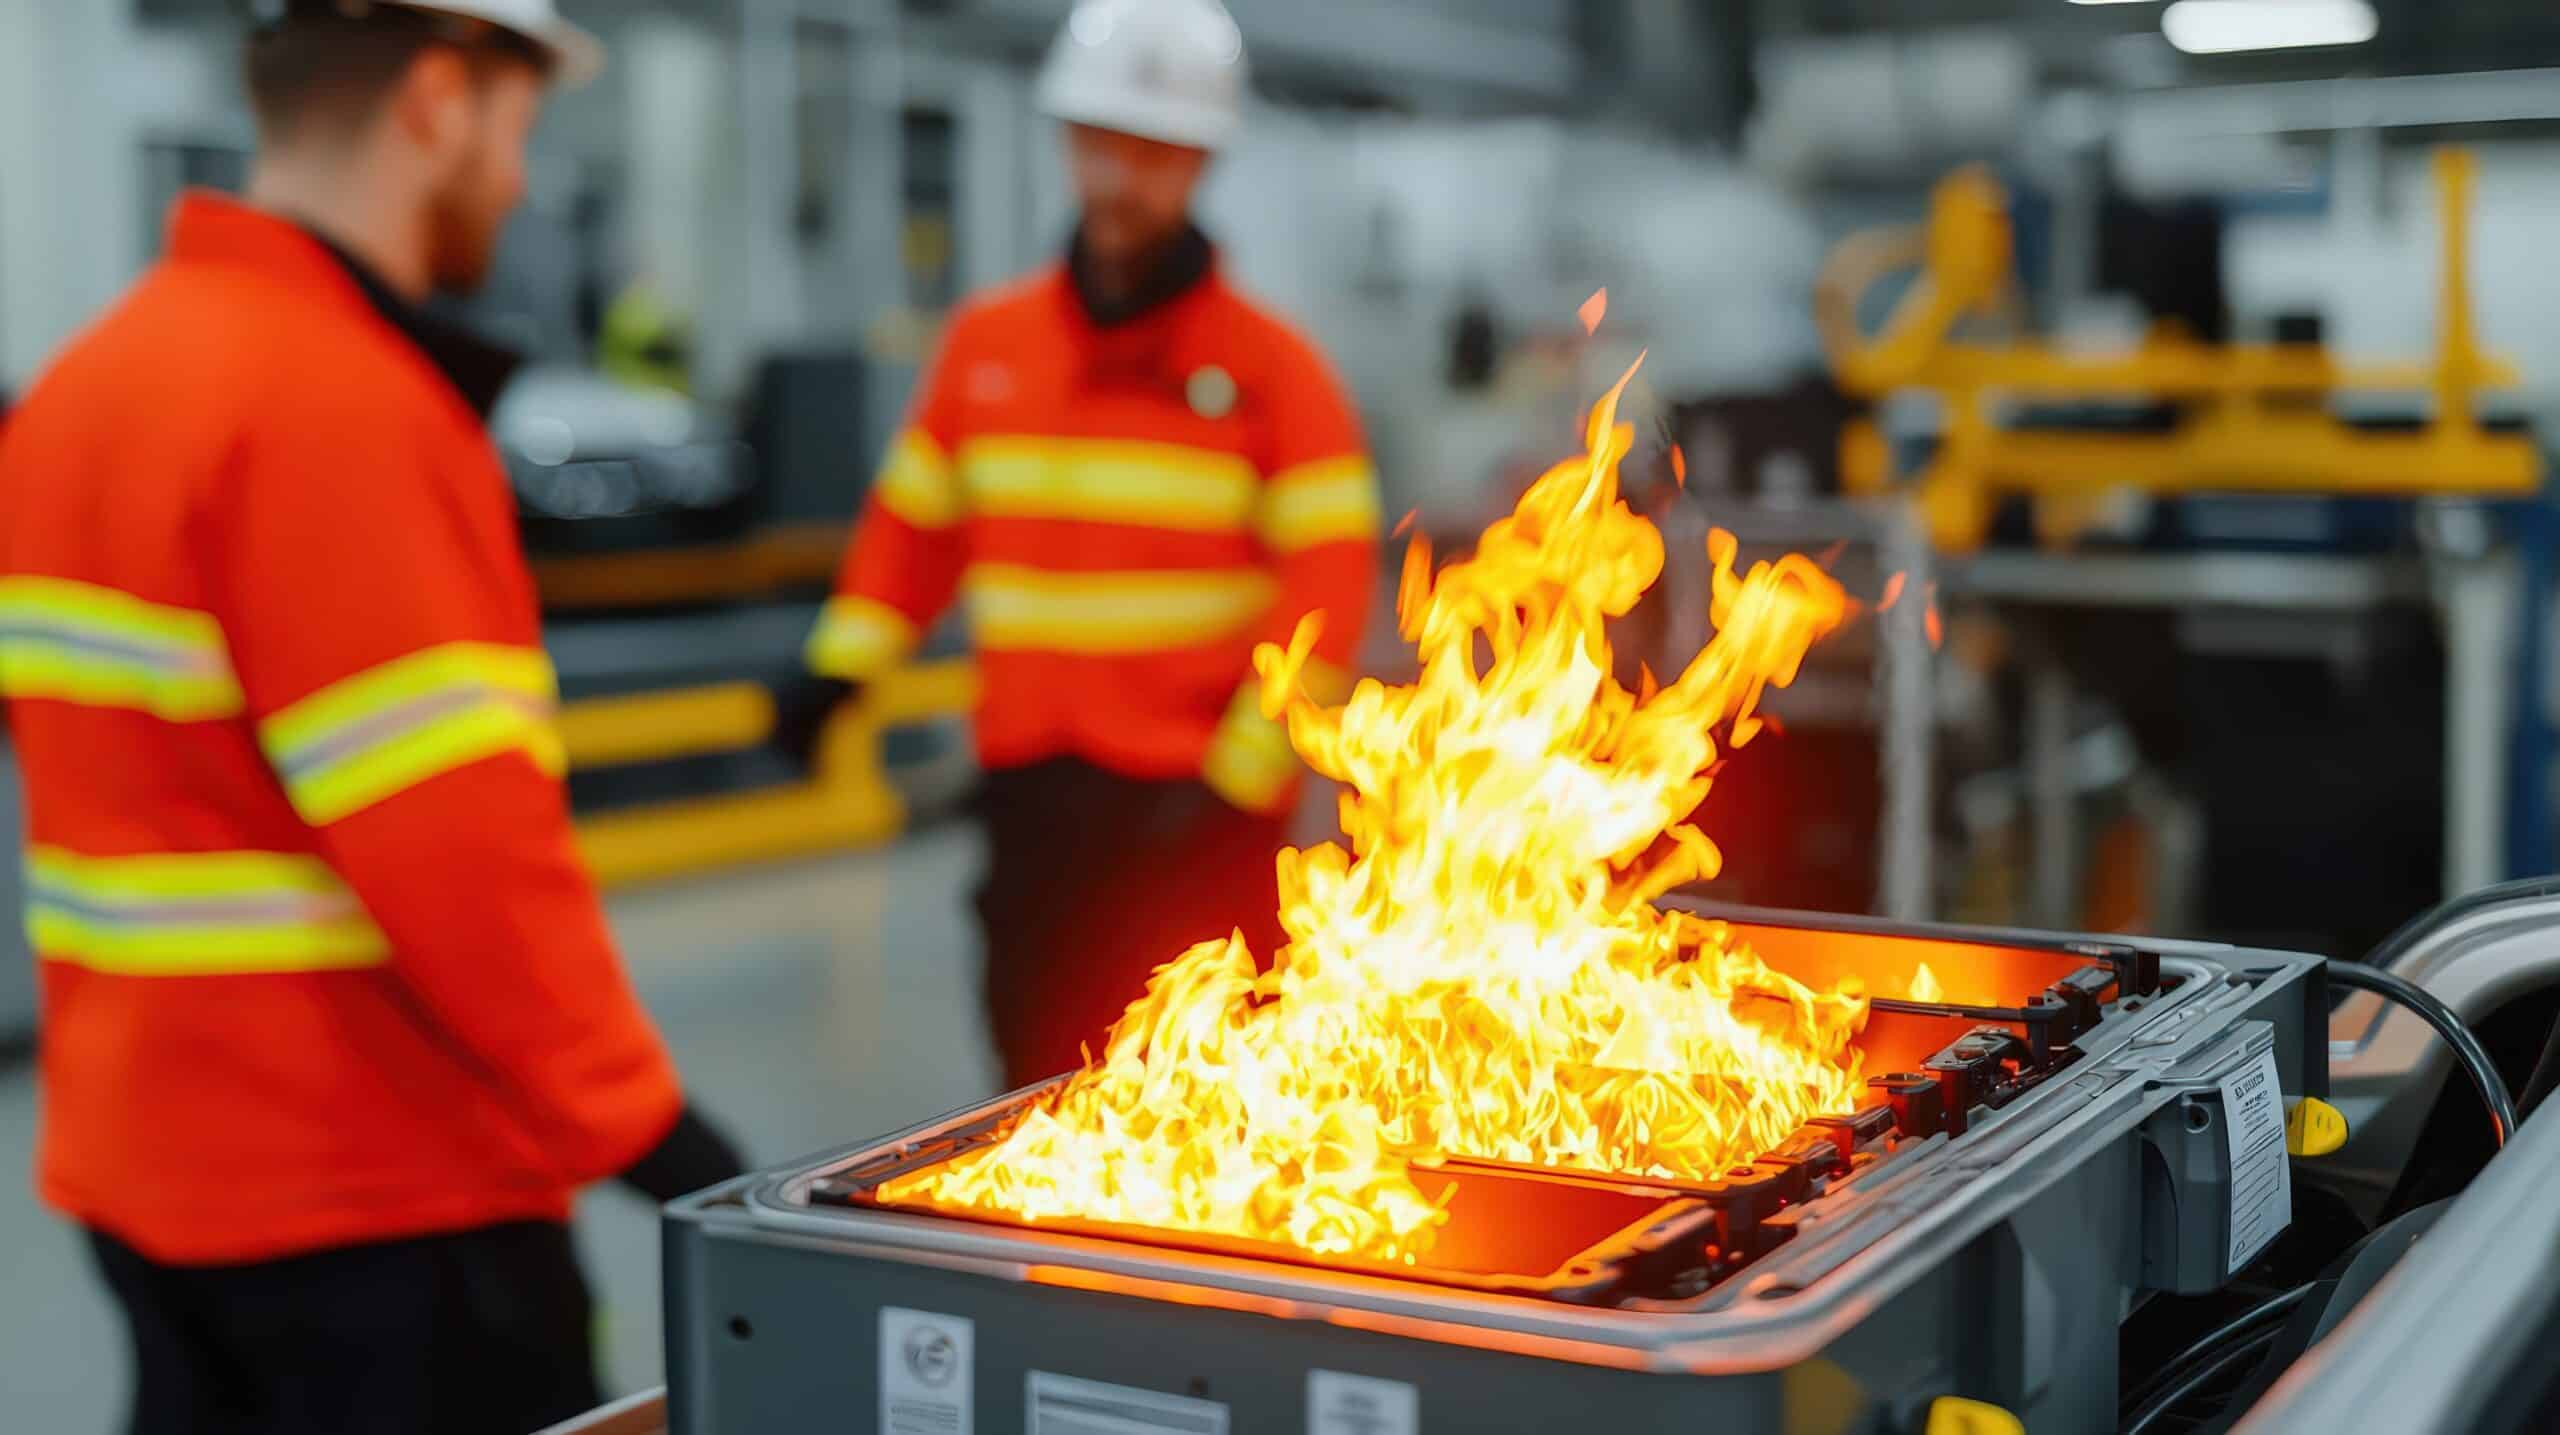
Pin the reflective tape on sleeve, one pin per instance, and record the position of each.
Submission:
(859, 638)
(101, 647)
(1330, 501)
(389, 728)
(917, 484)
(196, 914)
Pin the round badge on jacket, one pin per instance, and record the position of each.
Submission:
(1212, 392)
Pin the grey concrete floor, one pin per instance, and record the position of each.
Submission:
(808, 1005)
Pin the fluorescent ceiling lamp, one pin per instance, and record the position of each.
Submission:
(2111, 2)
(2223, 27)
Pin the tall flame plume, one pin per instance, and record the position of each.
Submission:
(1483, 972)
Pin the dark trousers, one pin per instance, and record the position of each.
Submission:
(1093, 881)
(485, 1331)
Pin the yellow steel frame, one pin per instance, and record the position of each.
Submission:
(847, 802)
(2255, 416)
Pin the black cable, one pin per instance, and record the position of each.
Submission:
(2466, 1048)
(2204, 1374)
(2266, 1312)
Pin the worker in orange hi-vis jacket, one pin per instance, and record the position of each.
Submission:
(332, 1024)
(1129, 474)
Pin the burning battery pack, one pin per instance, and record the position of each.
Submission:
(2066, 1127)
(1502, 1137)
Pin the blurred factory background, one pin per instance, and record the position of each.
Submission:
(2230, 639)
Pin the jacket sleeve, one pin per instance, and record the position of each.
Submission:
(908, 547)
(1316, 521)
(382, 627)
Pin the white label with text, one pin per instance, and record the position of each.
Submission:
(1339, 1404)
(2261, 1172)
(1064, 1405)
(925, 1372)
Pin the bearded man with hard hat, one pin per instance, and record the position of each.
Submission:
(1128, 474)
(332, 1024)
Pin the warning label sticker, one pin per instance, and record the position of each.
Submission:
(1339, 1404)
(1064, 1405)
(2261, 1176)
(925, 1372)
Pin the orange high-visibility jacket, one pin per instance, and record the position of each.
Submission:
(1125, 511)
(319, 962)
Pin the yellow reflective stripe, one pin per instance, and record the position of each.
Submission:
(229, 950)
(1328, 501)
(916, 482)
(1106, 613)
(179, 875)
(395, 725)
(82, 643)
(112, 612)
(1147, 485)
(858, 638)
(1249, 761)
(195, 914)
(34, 669)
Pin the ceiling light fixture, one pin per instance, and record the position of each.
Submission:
(2223, 27)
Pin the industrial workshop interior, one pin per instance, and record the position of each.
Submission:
(1282, 717)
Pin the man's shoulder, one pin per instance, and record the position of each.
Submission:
(990, 315)
(227, 338)
(1271, 341)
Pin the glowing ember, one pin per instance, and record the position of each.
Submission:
(1593, 310)
(1483, 973)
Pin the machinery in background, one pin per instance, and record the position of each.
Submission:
(2175, 415)
(681, 566)
(2301, 594)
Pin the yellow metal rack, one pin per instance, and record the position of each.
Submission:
(848, 800)
(2250, 417)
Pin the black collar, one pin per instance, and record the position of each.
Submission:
(1185, 263)
(476, 368)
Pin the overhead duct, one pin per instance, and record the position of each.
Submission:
(1885, 108)
(1522, 49)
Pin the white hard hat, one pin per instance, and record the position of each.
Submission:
(576, 56)
(1170, 70)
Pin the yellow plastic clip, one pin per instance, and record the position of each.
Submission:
(2314, 1128)
(1955, 1415)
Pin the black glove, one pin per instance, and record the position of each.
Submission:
(694, 1155)
(801, 709)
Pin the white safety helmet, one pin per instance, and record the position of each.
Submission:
(576, 56)
(1170, 70)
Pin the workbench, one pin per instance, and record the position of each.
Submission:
(2497, 807)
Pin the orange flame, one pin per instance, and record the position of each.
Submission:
(1925, 986)
(1593, 310)
(1482, 972)
(1679, 467)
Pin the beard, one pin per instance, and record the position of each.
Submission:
(464, 220)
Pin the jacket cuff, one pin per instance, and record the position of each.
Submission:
(858, 639)
(1249, 761)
